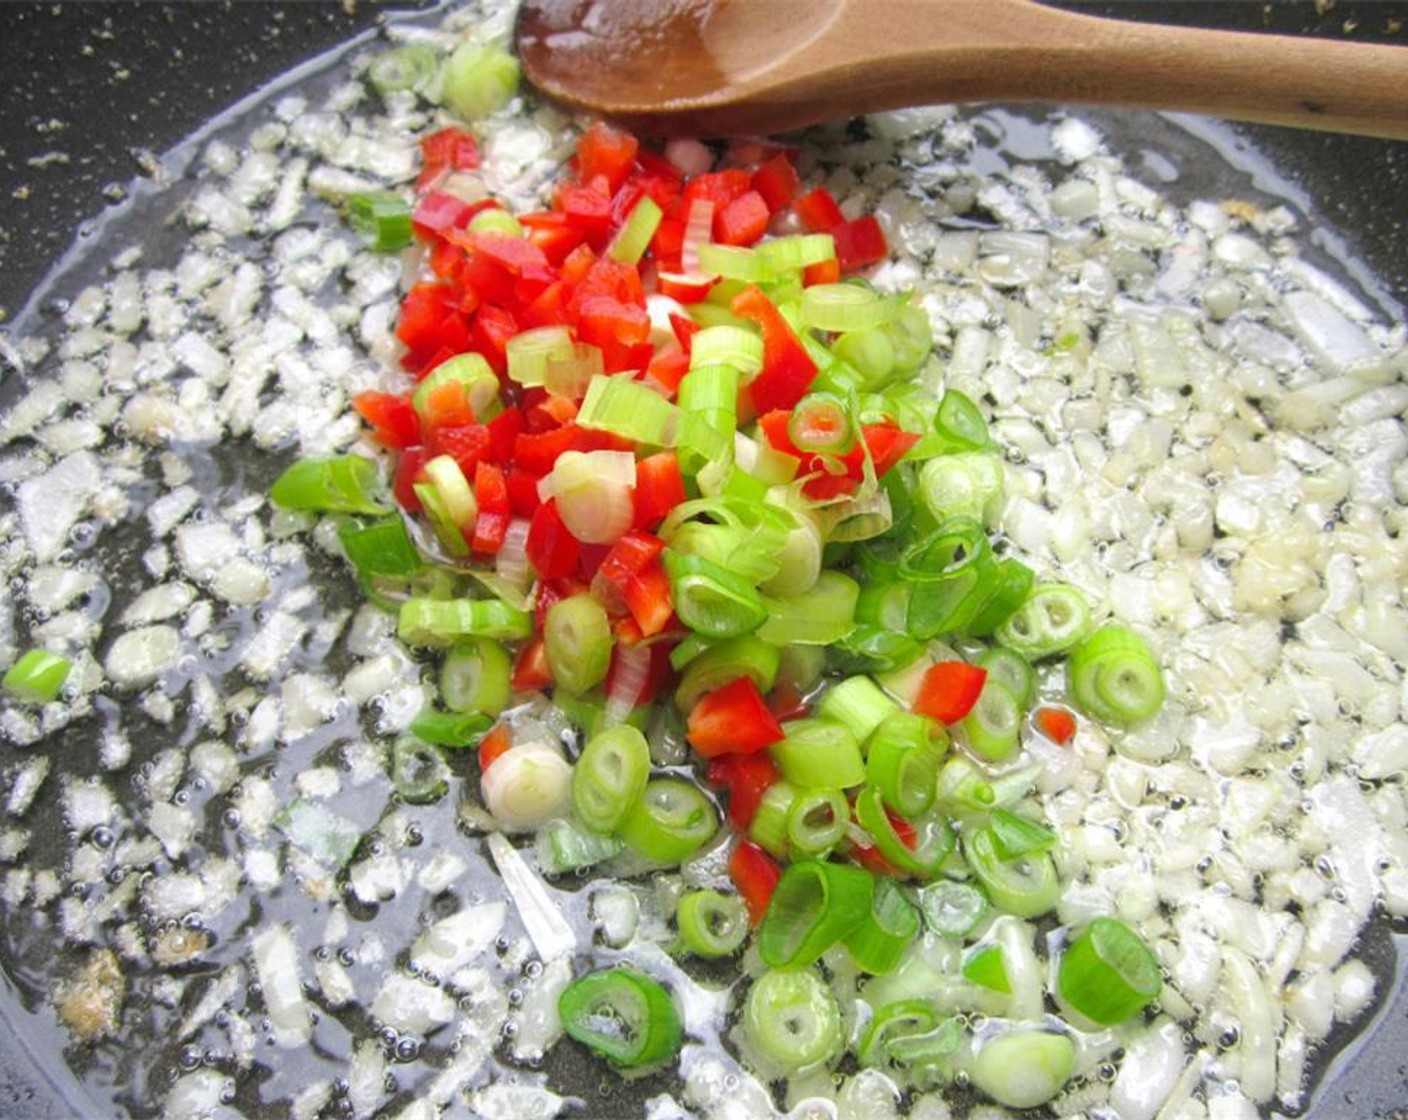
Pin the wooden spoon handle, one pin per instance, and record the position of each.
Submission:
(1273, 79)
(1017, 50)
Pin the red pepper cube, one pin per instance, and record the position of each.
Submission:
(860, 243)
(1057, 724)
(552, 550)
(466, 444)
(408, 465)
(949, 689)
(888, 444)
(743, 221)
(606, 152)
(530, 669)
(788, 370)
(819, 211)
(495, 511)
(394, 421)
(659, 487)
(776, 180)
(732, 720)
(755, 874)
(750, 777)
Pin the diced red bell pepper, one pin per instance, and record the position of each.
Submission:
(394, 422)
(823, 272)
(522, 491)
(949, 689)
(530, 668)
(1057, 724)
(466, 444)
(628, 557)
(536, 452)
(667, 367)
(749, 777)
(755, 874)
(488, 280)
(430, 321)
(497, 741)
(668, 241)
(553, 232)
(606, 152)
(552, 550)
(719, 187)
(491, 496)
(438, 211)
(516, 255)
(776, 180)
(408, 465)
(625, 558)
(503, 430)
(743, 221)
(788, 369)
(733, 719)
(608, 278)
(449, 149)
(493, 328)
(659, 488)
(589, 210)
(650, 599)
(888, 444)
(860, 243)
(619, 330)
(819, 211)
(447, 406)
(685, 287)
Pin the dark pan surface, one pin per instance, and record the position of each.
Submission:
(91, 87)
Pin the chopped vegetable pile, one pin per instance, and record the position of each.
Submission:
(905, 623)
(668, 465)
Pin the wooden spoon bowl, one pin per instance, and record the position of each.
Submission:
(732, 67)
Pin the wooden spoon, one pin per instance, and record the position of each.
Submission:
(720, 67)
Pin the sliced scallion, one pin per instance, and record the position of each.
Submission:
(1027, 886)
(346, 484)
(622, 1015)
(813, 906)
(670, 821)
(1115, 677)
(578, 640)
(610, 777)
(712, 924)
(37, 677)
(1109, 973)
(952, 909)
(418, 771)
(792, 1020)
(879, 944)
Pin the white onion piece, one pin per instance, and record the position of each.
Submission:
(538, 1022)
(547, 928)
(454, 941)
(691, 156)
(1259, 1024)
(411, 1006)
(527, 786)
(276, 965)
(1150, 1070)
(630, 672)
(594, 493)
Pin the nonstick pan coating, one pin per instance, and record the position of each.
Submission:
(93, 87)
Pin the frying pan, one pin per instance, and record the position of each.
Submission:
(93, 88)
